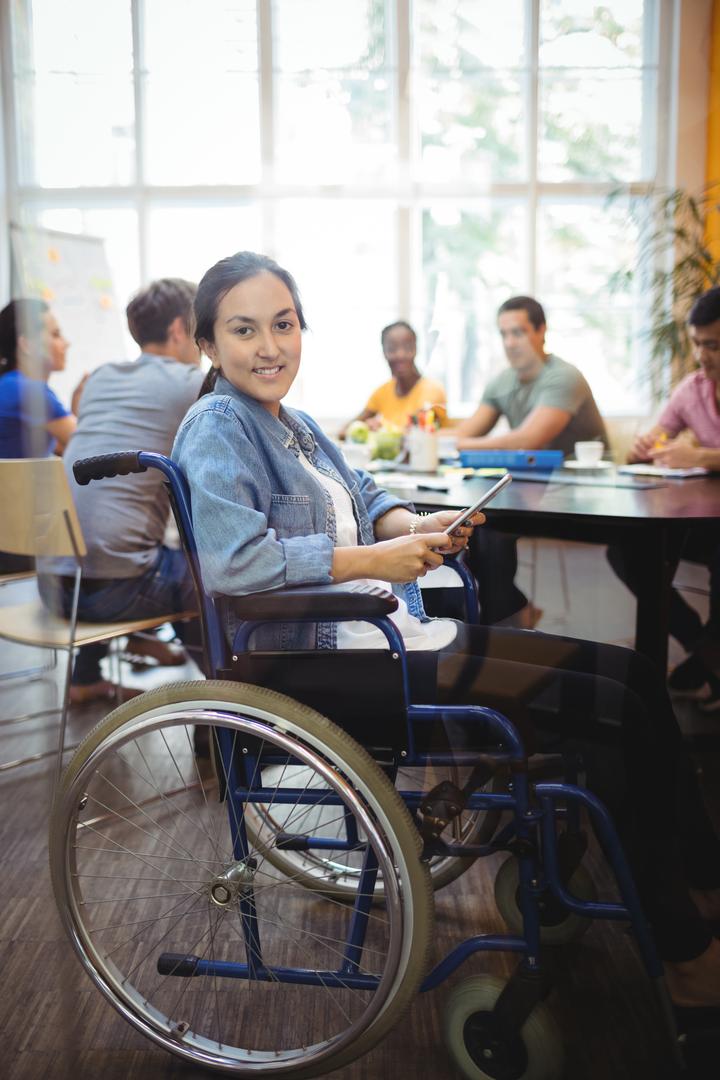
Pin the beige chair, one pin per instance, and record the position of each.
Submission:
(39, 520)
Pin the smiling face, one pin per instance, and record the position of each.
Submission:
(706, 349)
(258, 339)
(524, 343)
(400, 348)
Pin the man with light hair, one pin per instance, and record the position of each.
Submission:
(129, 572)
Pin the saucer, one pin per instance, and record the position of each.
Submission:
(581, 465)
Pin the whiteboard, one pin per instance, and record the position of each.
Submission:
(71, 273)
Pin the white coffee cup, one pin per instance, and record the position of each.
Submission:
(589, 453)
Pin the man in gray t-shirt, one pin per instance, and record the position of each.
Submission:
(128, 572)
(547, 401)
(548, 405)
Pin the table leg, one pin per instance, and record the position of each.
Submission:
(653, 595)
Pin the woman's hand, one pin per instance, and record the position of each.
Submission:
(406, 558)
(440, 520)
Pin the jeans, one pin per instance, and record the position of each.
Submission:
(162, 590)
(697, 546)
(610, 704)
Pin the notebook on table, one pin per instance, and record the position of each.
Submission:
(647, 469)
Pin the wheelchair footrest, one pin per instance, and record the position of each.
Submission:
(182, 964)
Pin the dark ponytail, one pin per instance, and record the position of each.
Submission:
(18, 318)
(208, 385)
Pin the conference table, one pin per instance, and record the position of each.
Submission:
(612, 508)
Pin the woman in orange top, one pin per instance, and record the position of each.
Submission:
(408, 391)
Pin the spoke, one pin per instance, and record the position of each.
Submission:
(292, 806)
(134, 825)
(307, 809)
(175, 842)
(131, 899)
(324, 940)
(182, 778)
(153, 785)
(120, 850)
(139, 877)
(155, 944)
(310, 967)
(212, 930)
(304, 948)
(215, 840)
(191, 950)
(187, 982)
(228, 792)
(285, 766)
(171, 913)
(141, 858)
(295, 878)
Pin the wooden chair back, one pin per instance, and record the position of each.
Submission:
(38, 515)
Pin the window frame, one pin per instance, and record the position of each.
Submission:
(24, 202)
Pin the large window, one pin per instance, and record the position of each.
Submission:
(423, 159)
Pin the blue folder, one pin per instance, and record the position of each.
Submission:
(544, 460)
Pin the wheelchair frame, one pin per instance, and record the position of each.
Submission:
(240, 742)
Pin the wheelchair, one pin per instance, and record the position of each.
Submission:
(268, 911)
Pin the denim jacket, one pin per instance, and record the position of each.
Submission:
(261, 520)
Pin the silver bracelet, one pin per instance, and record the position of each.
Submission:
(412, 527)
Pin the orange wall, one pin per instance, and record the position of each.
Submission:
(712, 174)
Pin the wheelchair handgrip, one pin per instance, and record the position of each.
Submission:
(104, 465)
(316, 602)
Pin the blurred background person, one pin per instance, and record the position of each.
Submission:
(33, 420)
(129, 572)
(548, 405)
(687, 435)
(407, 392)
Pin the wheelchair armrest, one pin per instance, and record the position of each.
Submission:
(316, 601)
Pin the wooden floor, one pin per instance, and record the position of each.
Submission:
(54, 1024)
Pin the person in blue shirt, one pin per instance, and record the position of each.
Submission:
(275, 504)
(33, 420)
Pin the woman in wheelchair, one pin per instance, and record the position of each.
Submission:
(274, 504)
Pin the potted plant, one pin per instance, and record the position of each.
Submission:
(674, 265)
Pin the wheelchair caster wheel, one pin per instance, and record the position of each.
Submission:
(535, 1053)
(557, 925)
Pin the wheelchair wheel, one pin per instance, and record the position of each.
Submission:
(189, 931)
(336, 876)
(558, 926)
(536, 1053)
